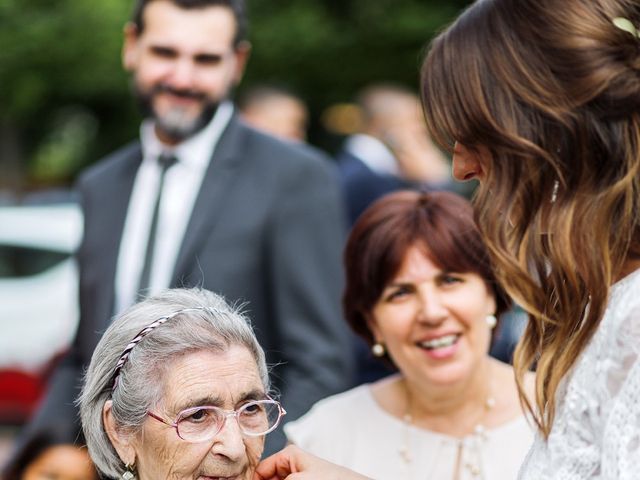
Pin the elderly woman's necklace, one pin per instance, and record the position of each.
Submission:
(473, 463)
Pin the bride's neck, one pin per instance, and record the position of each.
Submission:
(630, 266)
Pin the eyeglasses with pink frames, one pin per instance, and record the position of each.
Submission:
(200, 424)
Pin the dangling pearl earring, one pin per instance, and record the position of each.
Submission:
(492, 321)
(378, 350)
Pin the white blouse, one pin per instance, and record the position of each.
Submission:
(596, 430)
(352, 430)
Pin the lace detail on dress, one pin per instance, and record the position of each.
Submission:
(596, 431)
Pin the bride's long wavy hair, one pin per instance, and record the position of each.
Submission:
(552, 89)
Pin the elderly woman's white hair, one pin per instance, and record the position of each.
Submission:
(196, 320)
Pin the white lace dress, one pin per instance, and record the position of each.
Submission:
(596, 431)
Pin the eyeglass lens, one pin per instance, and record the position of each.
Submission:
(203, 423)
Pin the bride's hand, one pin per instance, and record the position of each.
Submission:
(295, 464)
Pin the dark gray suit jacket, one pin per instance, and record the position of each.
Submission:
(267, 228)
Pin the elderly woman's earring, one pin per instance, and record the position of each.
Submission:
(378, 350)
(492, 321)
(128, 474)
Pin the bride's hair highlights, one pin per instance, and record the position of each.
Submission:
(552, 89)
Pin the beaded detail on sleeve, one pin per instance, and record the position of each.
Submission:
(596, 431)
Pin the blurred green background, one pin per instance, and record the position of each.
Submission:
(65, 102)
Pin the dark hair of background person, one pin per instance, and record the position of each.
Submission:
(49, 436)
(440, 222)
(238, 7)
(557, 102)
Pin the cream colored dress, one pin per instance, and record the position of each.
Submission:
(352, 430)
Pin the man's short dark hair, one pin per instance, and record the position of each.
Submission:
(238, 8)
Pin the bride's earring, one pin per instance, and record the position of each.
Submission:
(492, 321)
(554, 192)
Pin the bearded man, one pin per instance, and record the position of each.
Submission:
(202, 200)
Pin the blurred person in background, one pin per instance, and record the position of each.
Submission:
(276, 111)
(57, 452)
(392, 150)
(421, 291)
(178, 388)
(201, 199)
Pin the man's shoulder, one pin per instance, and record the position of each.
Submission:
(113, 162)
(349, 164)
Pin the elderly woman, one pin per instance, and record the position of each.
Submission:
(178, 388)
(421, 291)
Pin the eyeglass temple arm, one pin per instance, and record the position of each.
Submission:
(160, 419)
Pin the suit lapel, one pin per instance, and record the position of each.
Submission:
(113, 203)
(210, 201)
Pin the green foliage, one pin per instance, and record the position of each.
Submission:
(66, 101)
(327, 50)
(53, 52)
(63, 149)
(56, 56)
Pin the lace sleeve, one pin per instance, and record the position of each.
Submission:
(621, 439)
(596, 430)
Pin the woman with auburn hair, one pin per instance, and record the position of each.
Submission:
(420, 290)
(539, 100)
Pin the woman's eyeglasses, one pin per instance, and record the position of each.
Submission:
(200, 424)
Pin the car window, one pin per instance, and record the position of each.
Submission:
(26, 261)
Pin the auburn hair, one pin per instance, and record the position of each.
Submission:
(441, 223)
(552, 89)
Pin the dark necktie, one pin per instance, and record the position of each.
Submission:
(166, 161)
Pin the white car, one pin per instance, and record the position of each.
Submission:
(38, 283)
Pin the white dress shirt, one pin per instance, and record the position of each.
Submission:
(181, 186)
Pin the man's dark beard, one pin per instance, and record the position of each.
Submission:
(175, 131)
